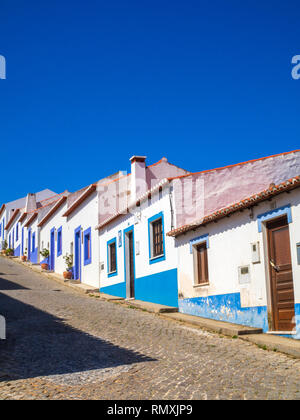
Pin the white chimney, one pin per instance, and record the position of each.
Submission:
(30, 203)
(138, 177)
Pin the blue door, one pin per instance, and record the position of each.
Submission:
(29, 244)
(22, 252)
(77, 256)
(52, 249)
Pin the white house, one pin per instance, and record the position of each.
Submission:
(7, 210)
(137, 259)
(52, 231)
(242, 263)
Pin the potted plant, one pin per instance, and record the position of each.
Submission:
(24, 256)
(45, 253)
(4, 247)
(69, 263)
(9, 252)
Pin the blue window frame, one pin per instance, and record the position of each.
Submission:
(156, 238)
(59, 241)
(282, 211)
(196, 241)
(112, 261)
(87, 237)
(17, 232)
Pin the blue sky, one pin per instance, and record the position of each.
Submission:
(91, 83)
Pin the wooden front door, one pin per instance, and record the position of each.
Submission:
(281, 276)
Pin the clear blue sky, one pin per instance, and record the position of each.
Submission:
(91, 83)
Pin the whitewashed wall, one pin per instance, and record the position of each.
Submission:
(86, 216)
(55, 222)
(229, 248)
(143, 269)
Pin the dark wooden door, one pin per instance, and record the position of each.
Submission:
(131, 264)
(202, 265)
(281, 275)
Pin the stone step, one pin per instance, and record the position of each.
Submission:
(221, 327)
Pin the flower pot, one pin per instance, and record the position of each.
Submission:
(45, 266)
(24, 258)
(67, 275)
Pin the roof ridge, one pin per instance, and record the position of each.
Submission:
(233, 165)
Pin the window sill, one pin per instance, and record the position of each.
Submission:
(196, 286)
(159, 258)
(111, 274)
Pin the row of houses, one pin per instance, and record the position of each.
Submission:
(221, 243)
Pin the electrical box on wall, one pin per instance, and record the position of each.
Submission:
(255, 250)
(244, 274)
(298, 253)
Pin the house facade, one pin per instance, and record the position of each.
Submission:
(242, 263)
(138, 261)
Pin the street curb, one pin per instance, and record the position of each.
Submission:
(269, 342)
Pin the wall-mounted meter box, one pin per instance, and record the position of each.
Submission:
(255, 251)
(244, 274)
(298, 253)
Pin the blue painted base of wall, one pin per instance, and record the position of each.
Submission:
(226, 308)
(34, 256)
(17, 251)
(158, 288)
(115, 290)
(161, 288)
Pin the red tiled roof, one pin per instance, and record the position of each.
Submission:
(53, 210)
(31, 219)
(81, 199)
(23, 216)
(9, 223)
(272, 191)
(2, 208)
(126, 208)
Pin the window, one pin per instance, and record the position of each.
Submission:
(156, 238)
(112, 257)
(59, 241)
(201, 264)
(87, 246)
(17, 232)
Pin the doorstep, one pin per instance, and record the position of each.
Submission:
(150, 307)
(221, 327)
(285, 345)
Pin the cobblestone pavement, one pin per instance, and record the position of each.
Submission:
(62, 345)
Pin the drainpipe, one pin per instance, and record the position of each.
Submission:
(171, 207)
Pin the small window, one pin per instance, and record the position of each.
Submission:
(17, 232)
(112, 257)
(156, 238)
(201, 264)
(59, 241)
(87, 247)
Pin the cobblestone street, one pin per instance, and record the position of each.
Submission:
(63, 345)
